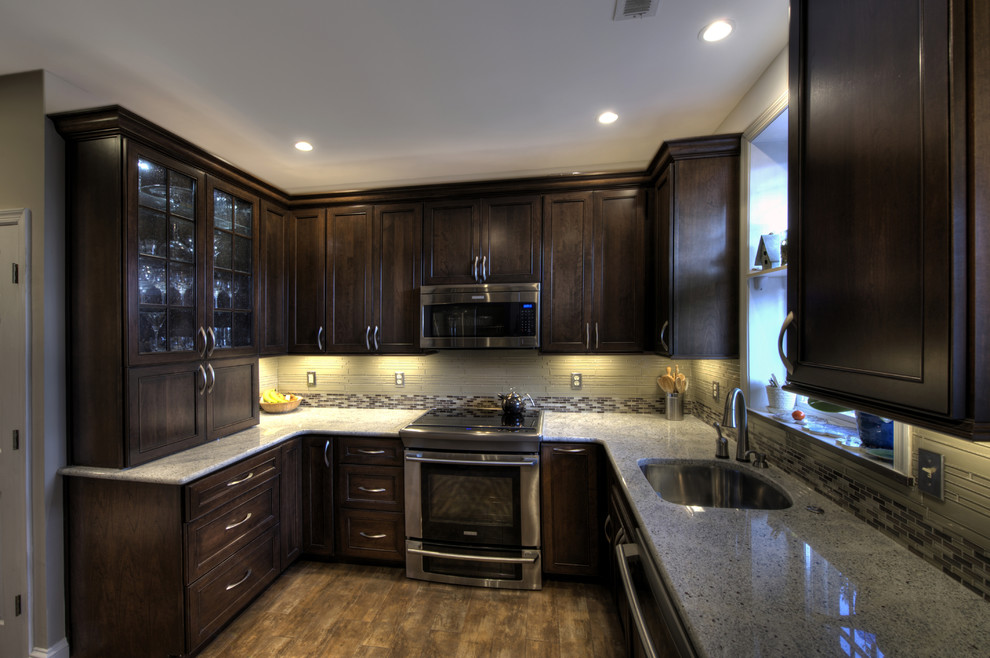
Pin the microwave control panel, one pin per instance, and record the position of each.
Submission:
(527, 319)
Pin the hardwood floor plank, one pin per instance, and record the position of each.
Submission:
(327, 609)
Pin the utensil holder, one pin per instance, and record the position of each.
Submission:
(777, 398)
(675, 407)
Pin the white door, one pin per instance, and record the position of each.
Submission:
(14, 388)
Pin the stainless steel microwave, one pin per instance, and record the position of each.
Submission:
(476, 316)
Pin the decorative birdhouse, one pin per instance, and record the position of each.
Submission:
(768, 253)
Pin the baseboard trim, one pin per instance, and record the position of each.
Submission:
(58, 650)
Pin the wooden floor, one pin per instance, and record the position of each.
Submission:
(324, 609)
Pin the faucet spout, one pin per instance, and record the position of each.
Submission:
(735, 416)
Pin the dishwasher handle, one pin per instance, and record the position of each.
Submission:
(625, 552)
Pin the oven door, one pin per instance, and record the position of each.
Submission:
(490, 500)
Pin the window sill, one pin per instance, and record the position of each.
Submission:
(855, 455)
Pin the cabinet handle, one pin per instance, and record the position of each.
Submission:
(234, 483)
(587, 335)
(608, 535)
(241, 522)
(596, 335)
(239, 582)
(570, 451)
(213, 341)
(367, 336)
(474, 269)
(213, 378)
(623, 553)
(202, 332)
(367, 536)
(780, 343)
(326, 449)
(365, 451)
(366, 490)
(202, 371)
(484, 264)
(319, 339)
(374, 337)
(663, 329)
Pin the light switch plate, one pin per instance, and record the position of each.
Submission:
(931, 470)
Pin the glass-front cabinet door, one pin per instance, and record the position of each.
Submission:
(163, 255)
(232, 265)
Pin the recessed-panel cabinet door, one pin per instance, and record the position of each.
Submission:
(567, 272)
(231, 395)
(451, 242)
(618, 323)
(876, 279)
(307, 273)
(272, 280)
(397, 268)
(349, 237)
(511, 232)
(166, 410)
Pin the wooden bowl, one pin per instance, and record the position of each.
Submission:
(281, 407)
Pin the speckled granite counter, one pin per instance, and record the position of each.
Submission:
(747, 583)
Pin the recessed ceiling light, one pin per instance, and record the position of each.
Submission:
(607, 117)
(304, 146)
(716, 31)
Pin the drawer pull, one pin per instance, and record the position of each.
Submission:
(366, 490)
(570, 451)
(243, 479)
(239, 582)
(365, 451)
(241, 522)
(367, 536)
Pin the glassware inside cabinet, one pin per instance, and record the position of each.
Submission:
(166, 269)
(233, 222)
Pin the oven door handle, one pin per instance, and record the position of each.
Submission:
(470, 462)
(474, 558)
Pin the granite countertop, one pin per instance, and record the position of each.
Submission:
(746, 582)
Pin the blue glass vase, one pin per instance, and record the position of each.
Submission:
(874, 431)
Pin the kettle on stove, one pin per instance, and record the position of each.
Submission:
(514, 404)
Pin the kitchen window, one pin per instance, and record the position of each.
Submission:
(763, 301)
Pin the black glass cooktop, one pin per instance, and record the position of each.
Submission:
(469, 426)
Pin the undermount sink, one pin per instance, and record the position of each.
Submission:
(713, 484)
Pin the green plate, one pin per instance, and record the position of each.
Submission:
(881, 453)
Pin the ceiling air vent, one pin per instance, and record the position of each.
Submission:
(625, 9)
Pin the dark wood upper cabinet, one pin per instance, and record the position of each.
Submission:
(273, 289)
(696, 206)
(349, 236)
(145, 373)
(307, 278)
(594, 254)
(397, 268)
(492, 240)
(888, 251)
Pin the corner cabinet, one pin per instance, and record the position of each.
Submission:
(696, 203)
(888, 304)
(594, 292)
(162, 287)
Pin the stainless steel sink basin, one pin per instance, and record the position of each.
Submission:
(713, 484)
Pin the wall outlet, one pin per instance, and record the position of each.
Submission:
(931, 467)
(400, 379)
(715, 390)
(575, 380)
(311, 378)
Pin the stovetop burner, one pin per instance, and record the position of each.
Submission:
(474, 429)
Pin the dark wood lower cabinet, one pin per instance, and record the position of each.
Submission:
(317, 496)
(291, 500)
(569, 476)
(156, 569)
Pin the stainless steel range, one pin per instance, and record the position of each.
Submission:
(472, 498)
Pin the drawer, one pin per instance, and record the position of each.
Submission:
(370, 487)
(360, 450)
(372, 535)
(213, 538)
(212, 491)
(214, 599)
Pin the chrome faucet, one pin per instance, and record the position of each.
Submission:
(735, 417)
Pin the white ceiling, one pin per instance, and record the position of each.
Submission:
(400, 92)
